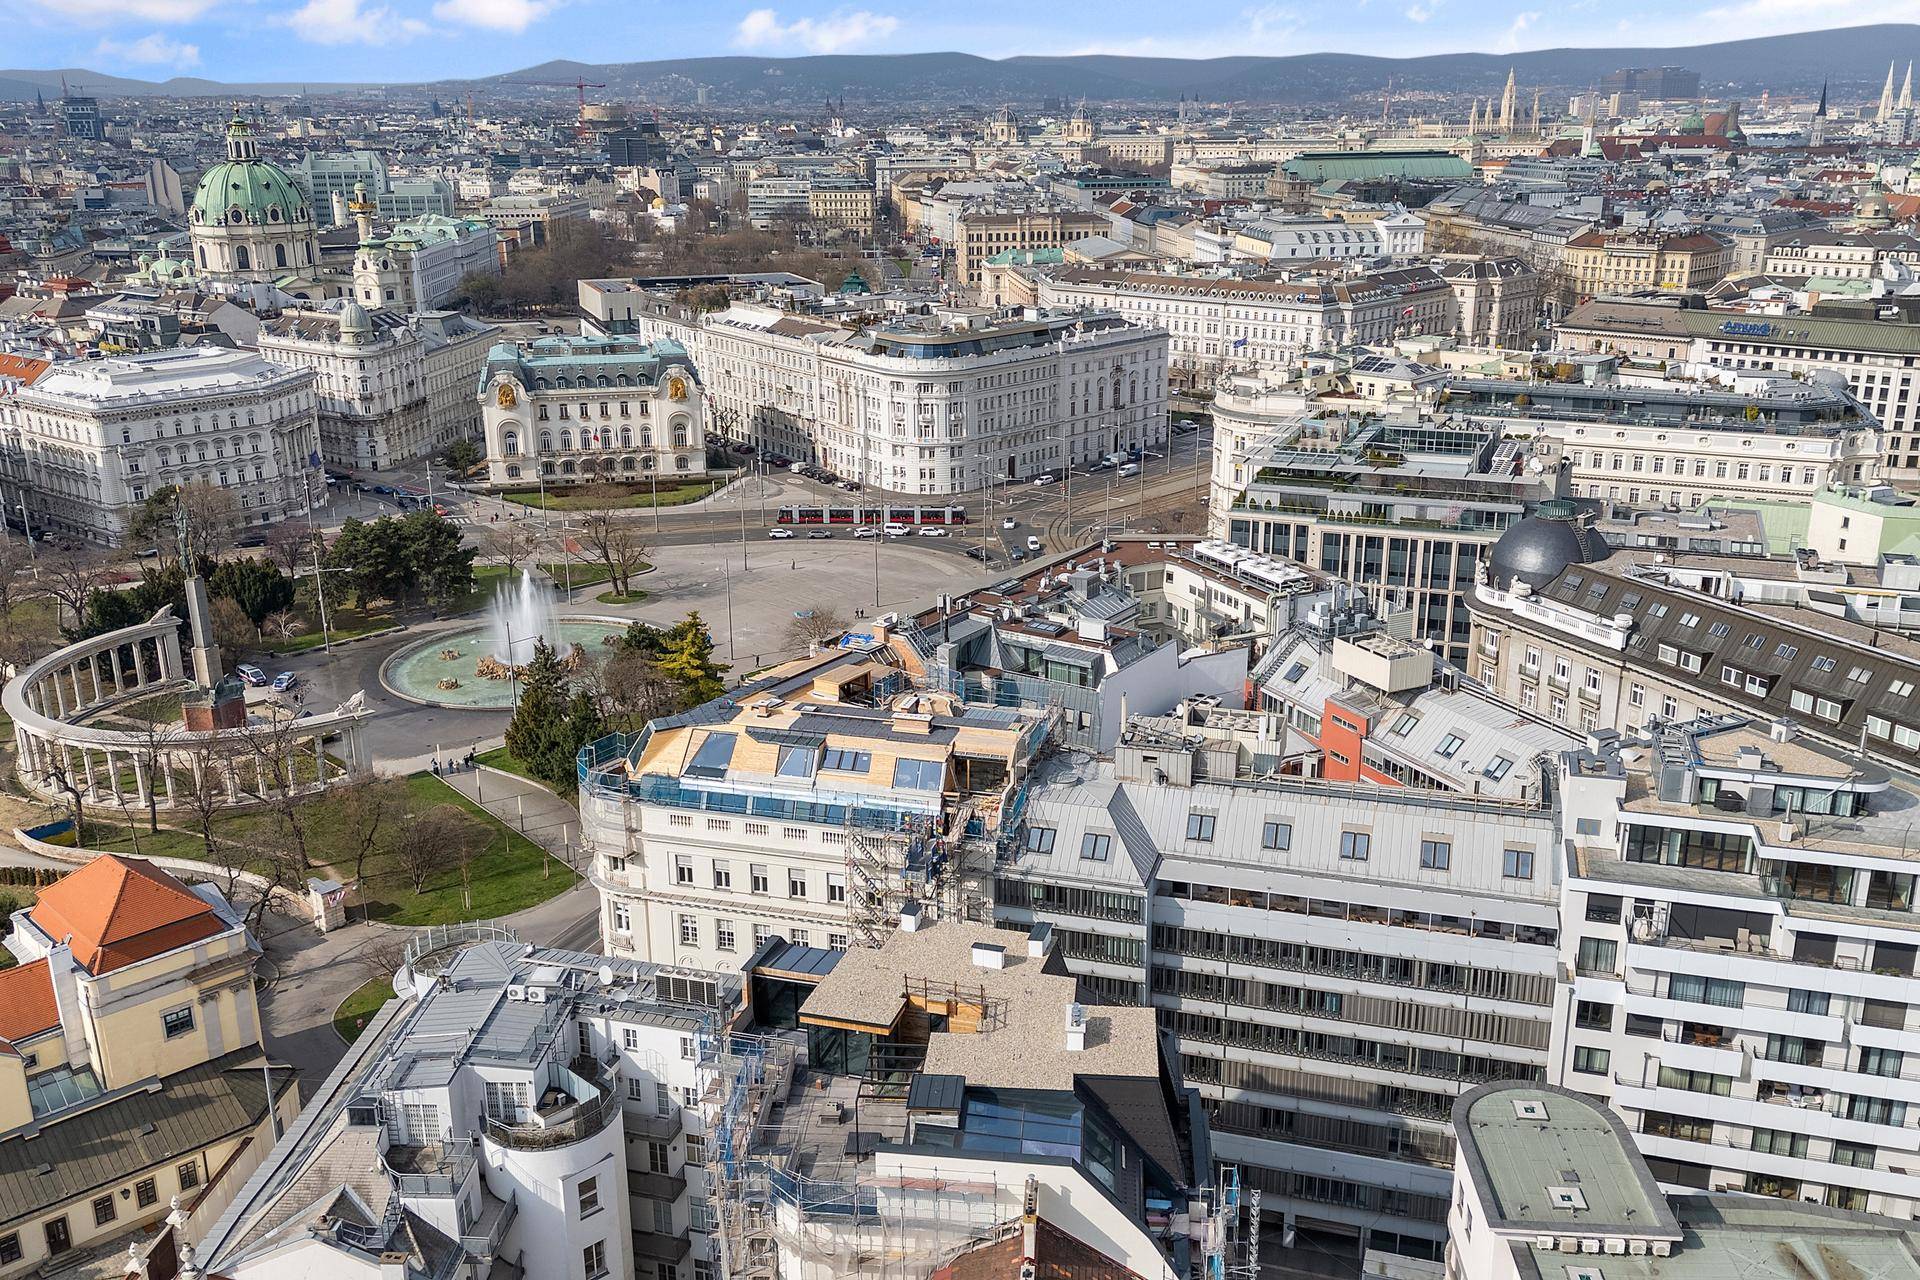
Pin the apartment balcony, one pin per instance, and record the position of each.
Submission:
(429, 1169)
(656, 1186)
(1557, 681)
(650, 1246)
(659, 1127)
(573, 1107)
(483, 1235)
(1588, 695)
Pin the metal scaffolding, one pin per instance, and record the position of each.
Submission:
(776, 1220)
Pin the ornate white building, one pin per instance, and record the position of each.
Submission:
(392, 387)
(581, 410)
(250, 222)
(90, 441)
(419, 264)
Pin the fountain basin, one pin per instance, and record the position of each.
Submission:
(421, 672)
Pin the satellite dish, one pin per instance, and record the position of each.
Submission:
(606, 975)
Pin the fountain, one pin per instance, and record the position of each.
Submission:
(477, 667)
(519, 616)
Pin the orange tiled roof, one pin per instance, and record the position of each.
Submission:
(25, 368)
(26, 1001)
(116, 911)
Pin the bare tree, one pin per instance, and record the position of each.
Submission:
(811, 626)
(60, 776)
(154, 745)
(285, 624)
(15, 562)
(71, 573)
(292, 547)
(617, 544)
(371, 810)
(206, 788)
(632, 689)
(432, 840)
(512, 544)
(282, 754)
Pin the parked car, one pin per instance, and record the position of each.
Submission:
(779, 533)
(813, 534)
(285, 681)
(251, 675)
(1016, 555)
(932, 532)
(1009, 523)
(1033, 543)
(251, 540)
(1048, 478)
(866, 531)
(978, 553)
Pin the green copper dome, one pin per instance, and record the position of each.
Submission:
(246, 190)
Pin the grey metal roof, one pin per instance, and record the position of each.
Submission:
(105, 1144)
(790, 957)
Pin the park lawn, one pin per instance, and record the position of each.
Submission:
(487, 579)
(351, 1018)
(161, 708)
(347, 624)
(618, 597)
(670, 495)
(509, 874)
(504, 760)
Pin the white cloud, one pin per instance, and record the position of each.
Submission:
(153, 50)
(1518, 28)
(495, 15)
(94, 12)
(835, 32)
(1422, 10)
(350, 22)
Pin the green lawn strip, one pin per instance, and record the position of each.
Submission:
(670, 495)
(576, 573)
(617, 597)
(161, 708)
(504, 760)
(509, 873)
(351, 1018)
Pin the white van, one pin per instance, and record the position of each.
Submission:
(894, 529)
(1131, 469)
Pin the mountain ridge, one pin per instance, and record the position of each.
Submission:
(1848, 56)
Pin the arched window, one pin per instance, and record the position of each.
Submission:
(563, 383)
(279, 254)
(566, 440)
(601, 381)
(646, 463)
(621, 381)
(566, 468)
(202, 251)
(546, 468)
(241, 259)
(626, 464)
(679, 433)
(626, 437)
(513, 471)
(546, 442)
(510, 442)
(646, 437)
(680, 462)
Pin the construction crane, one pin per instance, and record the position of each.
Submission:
(579, 86)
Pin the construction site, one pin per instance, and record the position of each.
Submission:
(912, 1115)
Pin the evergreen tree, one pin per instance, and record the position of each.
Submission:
(687, 658)
(538, 734)
(257, 586)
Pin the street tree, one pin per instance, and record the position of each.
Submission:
(71, 573)
(617, 544)
(512, 544)
(207, 513)
(371, 811)
(291, 546)
(811, 626)
(256, 586)
(688, 660)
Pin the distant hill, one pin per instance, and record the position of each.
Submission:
(1851, 57)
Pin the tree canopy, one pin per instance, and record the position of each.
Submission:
(410, 559)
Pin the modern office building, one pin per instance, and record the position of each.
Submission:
(1335, 963)
(393, 389)
(1652, 441)
(1402, 506)
(576, 410)
(516, 1111)
(1871, 348)
(1736, 924)
(90, 441)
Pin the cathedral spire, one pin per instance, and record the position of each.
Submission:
(1886, 97)
(1906, 91)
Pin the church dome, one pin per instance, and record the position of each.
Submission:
(1695, 123)
(245, 190)
(1535, 550)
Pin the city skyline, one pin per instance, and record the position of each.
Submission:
(399, 41)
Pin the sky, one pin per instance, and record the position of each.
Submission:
(405, 40)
